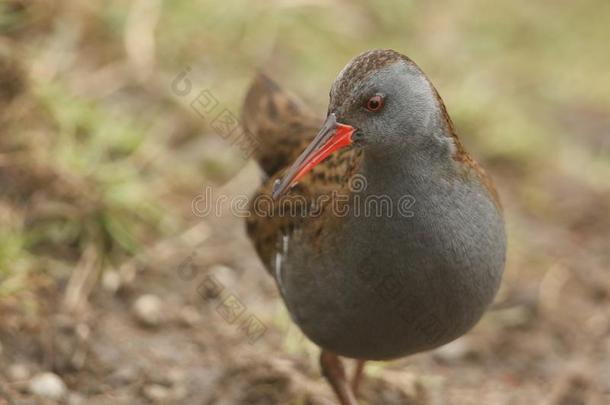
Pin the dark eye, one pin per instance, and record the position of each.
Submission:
(375, 103)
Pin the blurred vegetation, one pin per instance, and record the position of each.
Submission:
(96, 150)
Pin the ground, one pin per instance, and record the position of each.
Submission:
(115, 278)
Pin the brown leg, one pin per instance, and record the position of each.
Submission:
(357, 375)
(333, 371)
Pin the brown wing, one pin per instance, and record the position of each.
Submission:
(283, 128)
(279, 123)
(305, 207)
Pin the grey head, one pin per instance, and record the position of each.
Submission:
(383, 103)
(391, 103)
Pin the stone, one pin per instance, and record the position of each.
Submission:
(156, 393)
(48, 385)
(148, 310)
(18, 372)
(111, 281)
(459, 349)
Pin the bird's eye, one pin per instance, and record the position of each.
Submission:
(375, 103)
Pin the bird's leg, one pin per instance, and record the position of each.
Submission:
(357, 377)
(333, 371)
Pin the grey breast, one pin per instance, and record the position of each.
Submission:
(393, 285)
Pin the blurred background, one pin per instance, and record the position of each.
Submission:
(112, 279)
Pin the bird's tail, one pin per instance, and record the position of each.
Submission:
(278, 122)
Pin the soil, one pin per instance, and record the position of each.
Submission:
(544, 341)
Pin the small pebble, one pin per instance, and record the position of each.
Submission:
(48, 385)
(148, 310)
(156, 393)
(224, 274)
(123, 376)
(18, 372)
(111, 281)
(459, 349)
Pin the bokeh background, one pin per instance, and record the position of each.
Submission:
(102, 256)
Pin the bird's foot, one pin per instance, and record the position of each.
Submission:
(357, 377)
(334, 372)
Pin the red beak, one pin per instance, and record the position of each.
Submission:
(332, 137)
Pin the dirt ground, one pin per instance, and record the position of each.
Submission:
(545, 341)
(134, 297)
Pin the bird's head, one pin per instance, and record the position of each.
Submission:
(381, 101)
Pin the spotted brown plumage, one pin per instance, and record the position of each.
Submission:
(284, 127)
(279, 122)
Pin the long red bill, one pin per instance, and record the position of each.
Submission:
(332, 137)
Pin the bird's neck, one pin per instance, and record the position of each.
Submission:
(387, 169)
